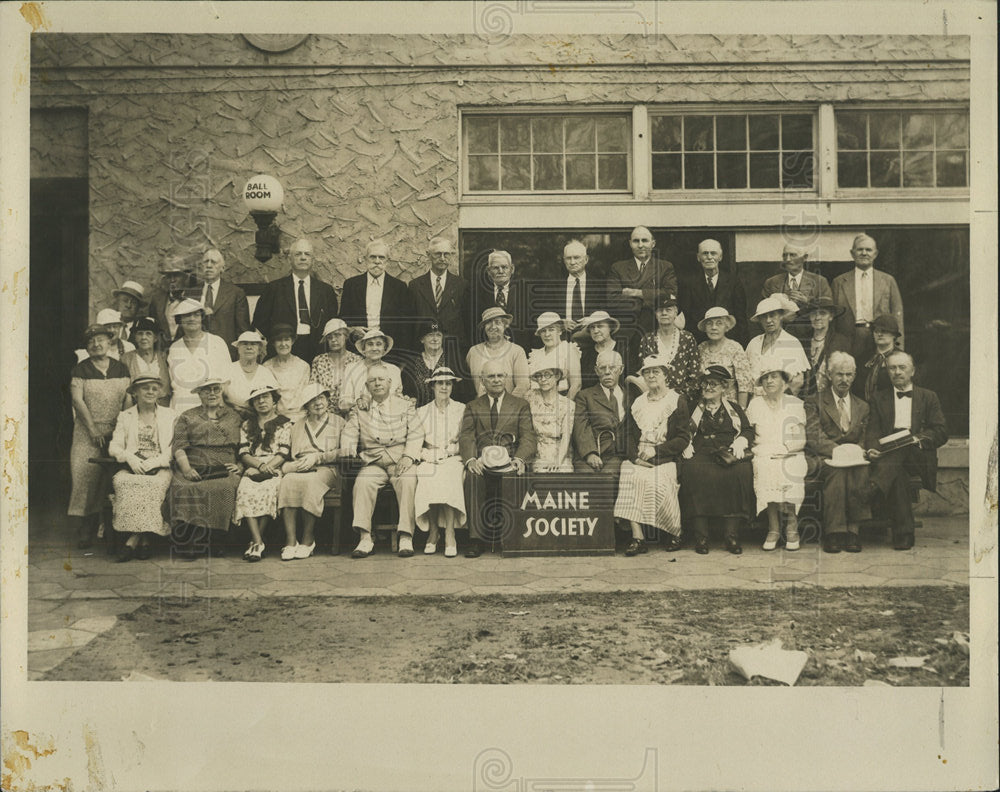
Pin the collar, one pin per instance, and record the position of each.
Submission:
(379, 280)
(498, 399)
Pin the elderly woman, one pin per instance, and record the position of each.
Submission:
(721, 351)
(203, 488)
(310, 471)
(776, 343)
(552, 416)
(440, 500)
(497, 347)
(111, 320)
(779, 464)
(658, 432)
(290, 371)
(98, 388)
(247, 373)
(874, 377)
(557, 353)
(329, 368)
(595, 334)
(374, 345)
(147, 359)
(194, 356)
(676, 347)
(716, 481)
(141, 441)
(417, 370)
(824, 341)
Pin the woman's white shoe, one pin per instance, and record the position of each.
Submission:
(304, 550)
(288, 552)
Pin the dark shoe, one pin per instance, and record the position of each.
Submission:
(636, 547)
(734, 547)
(852, 544)
(143, 552)
(125, 554)
(701, 547)
(903, 542)
(833, 542)
(474, 550)
(672, 543)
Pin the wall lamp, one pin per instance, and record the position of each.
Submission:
(263, 196)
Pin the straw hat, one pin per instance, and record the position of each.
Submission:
(768, 365)
(260, 390)
(718, 312)
(776, 302)
(654, 361)
(496, 459)
(209, 380)
(495, 313)
(369, 335)
(143, 379)
(108, 316)
(312, 390)
(335, 325)
(548, 319)
(583, 330)
(847, 455)
(249, 337)
(188, 305)
(97, 329)
(443, 374)
(132, 289)
(538, 364)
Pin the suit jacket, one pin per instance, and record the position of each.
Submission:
(926, 422)
(695, 299)
(522, 329)
(596, 427)
(810, 284)
(277, 306)
(823, 432)
(230, 313)
(453, 315)
(657, 278)
(834, 342)
(886, 299)
(514, 419)
(159, 299)
(550, 295)
(384, 433)
(396, 313)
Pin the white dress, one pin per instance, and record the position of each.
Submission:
(189, 367)
(240, 385)
(778, 480)
(291, 378)
(440, 473)
(565, 356)
(787, 349)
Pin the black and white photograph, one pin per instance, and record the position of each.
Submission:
(396, 392)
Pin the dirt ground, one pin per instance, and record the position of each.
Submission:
(680, 638)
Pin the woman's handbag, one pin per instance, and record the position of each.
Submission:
(727, 458)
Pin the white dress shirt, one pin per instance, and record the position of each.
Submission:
(794, 281)
(864, 293)
(373, 300)
(904, 410)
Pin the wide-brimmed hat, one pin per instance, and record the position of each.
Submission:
(766, 365)
(145, 323)
(143, 379)
(495, 313)
(548, 319)
(310, 391)
(97, 329)
(443, 374)
(583, 330)
(887, 324)
(717, 312)
(776, 302)
(496, 459)
(249, 337)
(188, 305)
(720, 373)
(336, 325)
(260, 390)
(281, 330)
(823, 303)
(175, 264)
(847, 455)
(371, 333)
(538, 364)
(210, 380)
(654, 361)
(132, 289)
(107, 316)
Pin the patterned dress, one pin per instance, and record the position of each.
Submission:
(330, 373)
(552, 423)
(684, 368)
(259, 498)
(732, 357)
(306, 490)
(139, 498)
(565, 356)
(777, 478)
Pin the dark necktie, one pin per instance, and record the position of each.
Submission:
(708, 282)
(209, 298)
(303, 305)
(501, 299)
(577, 299)
(494, 414)
(904, 394)
(614, 405)
(438, 291)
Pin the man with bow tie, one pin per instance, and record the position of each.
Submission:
(799, 285)
(904, 407)
(599, 421)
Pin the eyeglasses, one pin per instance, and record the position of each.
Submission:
(543, 375)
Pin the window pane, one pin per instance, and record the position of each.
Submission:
(885, 169)
(852, 132)
(918, 131)
(612, 170)
(667, 133)
(548, 172)
(764, 134)
(852, 169)
(698, 172)
(885, 133)
(612, 134)
(547, 134)
(483, 173)
(731, 133)
(796, 132)
(732, 171)
(952, 130)
(764, 171)
(579, 134)
(918, 169)
(797, 169)
(698, 134)
(580, 171)
(482, 134)
(667, 172)
(515, 134)
(951, 169)
(515, 172)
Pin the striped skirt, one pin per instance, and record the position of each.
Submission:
(648, 495)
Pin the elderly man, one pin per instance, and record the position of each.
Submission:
(378, 300)
(500, 289)
(228, 312)
(866, 293)
(903, 408)
(388, 438)
(443, 296)
(299, 299)
(837, 417)
(635, 284)
(575, 296)
(496, 418)
(177, 283)
(599, 421)
(800, 286)
(709, 287)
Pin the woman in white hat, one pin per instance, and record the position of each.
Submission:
(658, 432)
(595, 334)
(265, 444)
(247, 372)
(310, 471)
(552, 416)
(374, 345)
(557, 353)
(675, 347)
(147, 357)
(440, 500)
(329, 368)
(141, 442)
(777, 343)
(194, 356)
(779, 464)
(290, 371)
(498, 348)
(719, 350)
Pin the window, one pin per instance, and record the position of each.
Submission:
(902, 149)
(755, 151)
(548, 153)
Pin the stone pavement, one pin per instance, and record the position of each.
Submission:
(74, 597)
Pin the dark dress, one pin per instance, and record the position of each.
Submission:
(709, 489)
(684, 367)
(588, 359)
(414, 371)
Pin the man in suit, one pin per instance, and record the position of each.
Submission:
(500, 289)
(177, 283)
(443, 296)
(378, 300)
(866, 293)
(599, 421)
(837, 417)
(712, 287)
(635, 285)
(800, 286)
(575, 296)
(905, 406)
(228, 312)
(495, 418)
(299, 299)
(388, 437)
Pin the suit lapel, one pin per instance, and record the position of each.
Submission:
(849, 292)
(830, 405)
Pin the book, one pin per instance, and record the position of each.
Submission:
(897, 440)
